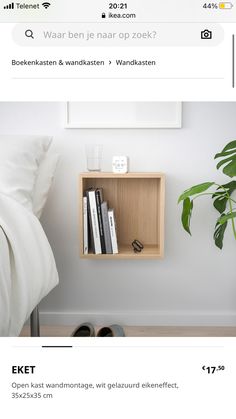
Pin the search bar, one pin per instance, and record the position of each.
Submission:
(117, 34)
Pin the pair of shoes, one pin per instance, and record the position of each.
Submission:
(87, 330)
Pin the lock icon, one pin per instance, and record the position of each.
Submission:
(103, 15)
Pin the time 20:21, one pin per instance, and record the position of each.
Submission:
(118, 5)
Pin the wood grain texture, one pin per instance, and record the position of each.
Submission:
(139, 203)
(144, 331)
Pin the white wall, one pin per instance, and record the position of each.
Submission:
(195, 284)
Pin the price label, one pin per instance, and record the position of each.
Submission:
(214, 369)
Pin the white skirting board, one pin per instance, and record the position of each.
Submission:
(140, 318)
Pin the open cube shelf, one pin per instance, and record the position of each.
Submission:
(138, 202)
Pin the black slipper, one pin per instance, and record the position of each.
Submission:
(84, 330)
(115, 330)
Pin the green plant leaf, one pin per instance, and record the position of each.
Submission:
(202, 187)
(227, 148)
(228, 162)
(222, 196)
(219, 234)
(226, 217)
(186, 214)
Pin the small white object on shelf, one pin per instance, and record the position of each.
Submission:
(120, 164)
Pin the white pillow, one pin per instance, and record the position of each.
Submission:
(20, 158)
(43, 182)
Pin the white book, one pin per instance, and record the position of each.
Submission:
(85, 218)
(94, 219)
(112, 226)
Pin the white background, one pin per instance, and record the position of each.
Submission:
(128, 361)
(182, 73)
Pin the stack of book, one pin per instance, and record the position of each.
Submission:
(99, 224)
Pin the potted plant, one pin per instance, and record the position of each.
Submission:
(221, 196)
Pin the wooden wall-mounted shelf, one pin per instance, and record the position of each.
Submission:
(139, 201)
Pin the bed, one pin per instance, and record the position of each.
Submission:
(27, 266)
(5, 284)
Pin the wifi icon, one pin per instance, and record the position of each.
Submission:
(46, 5)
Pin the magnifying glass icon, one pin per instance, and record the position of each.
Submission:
(29, 33)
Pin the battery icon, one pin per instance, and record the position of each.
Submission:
(225, 5)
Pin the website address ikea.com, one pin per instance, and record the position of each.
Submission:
(121, 15)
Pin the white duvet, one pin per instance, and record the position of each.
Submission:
(27, 266)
